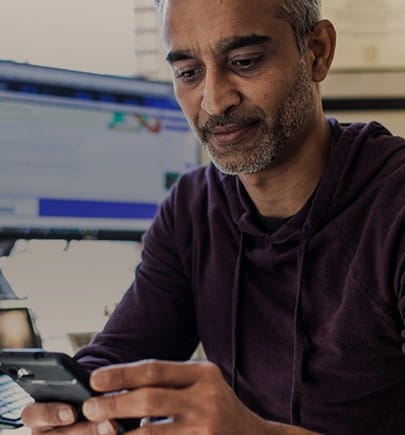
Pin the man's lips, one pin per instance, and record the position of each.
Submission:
(231, 133)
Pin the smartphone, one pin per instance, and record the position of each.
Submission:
(47, 376)
(52, 377)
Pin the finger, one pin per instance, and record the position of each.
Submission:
(48, 414)
(83, 428)
(149, 373)
(152, 402)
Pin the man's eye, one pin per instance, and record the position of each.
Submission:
(246, 64)
(188, 75)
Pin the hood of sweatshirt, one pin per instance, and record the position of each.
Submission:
(352, 169)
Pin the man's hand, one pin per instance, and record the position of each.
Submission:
(193, 396)
(61, 418)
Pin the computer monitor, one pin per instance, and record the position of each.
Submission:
(86, 155)
(17, 329)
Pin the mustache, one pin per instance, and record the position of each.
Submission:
(228, 119)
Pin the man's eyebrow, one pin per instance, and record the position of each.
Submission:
(227, 44)
(236, 42)
(177, 55)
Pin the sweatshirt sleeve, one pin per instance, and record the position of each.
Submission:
(155, 318)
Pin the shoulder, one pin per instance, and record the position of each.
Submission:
(386, 154)
(373, 156)
(382, 163)
(196, 196)
(198, 190)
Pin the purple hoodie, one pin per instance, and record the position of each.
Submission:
(307, 323)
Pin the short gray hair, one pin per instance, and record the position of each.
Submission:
(302, 15)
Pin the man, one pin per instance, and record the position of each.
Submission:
(286, 258)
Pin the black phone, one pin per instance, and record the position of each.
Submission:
(52, 377)
(47, 376)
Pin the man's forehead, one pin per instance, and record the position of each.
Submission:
(217, 19)
(232, 8)
(161, 3)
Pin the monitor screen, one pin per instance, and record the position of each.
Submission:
(17, 329)
(86, 155)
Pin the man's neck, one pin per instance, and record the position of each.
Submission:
(282, 189)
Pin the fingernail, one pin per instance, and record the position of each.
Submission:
(90, 408)
(105, 428)
(99, 378)
(65, 415)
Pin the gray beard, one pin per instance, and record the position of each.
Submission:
(251, 162)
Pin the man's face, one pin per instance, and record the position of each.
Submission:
(240, 80)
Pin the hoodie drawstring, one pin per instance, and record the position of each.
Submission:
(299, 334)
(235, 307)
(299, 341)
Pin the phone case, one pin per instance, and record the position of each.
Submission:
(47, 376)
(53, 376)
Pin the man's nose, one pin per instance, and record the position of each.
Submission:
(219, 93)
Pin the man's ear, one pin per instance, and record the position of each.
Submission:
(321, 49)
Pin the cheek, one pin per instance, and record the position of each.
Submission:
(265, 92)
(272, 96)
